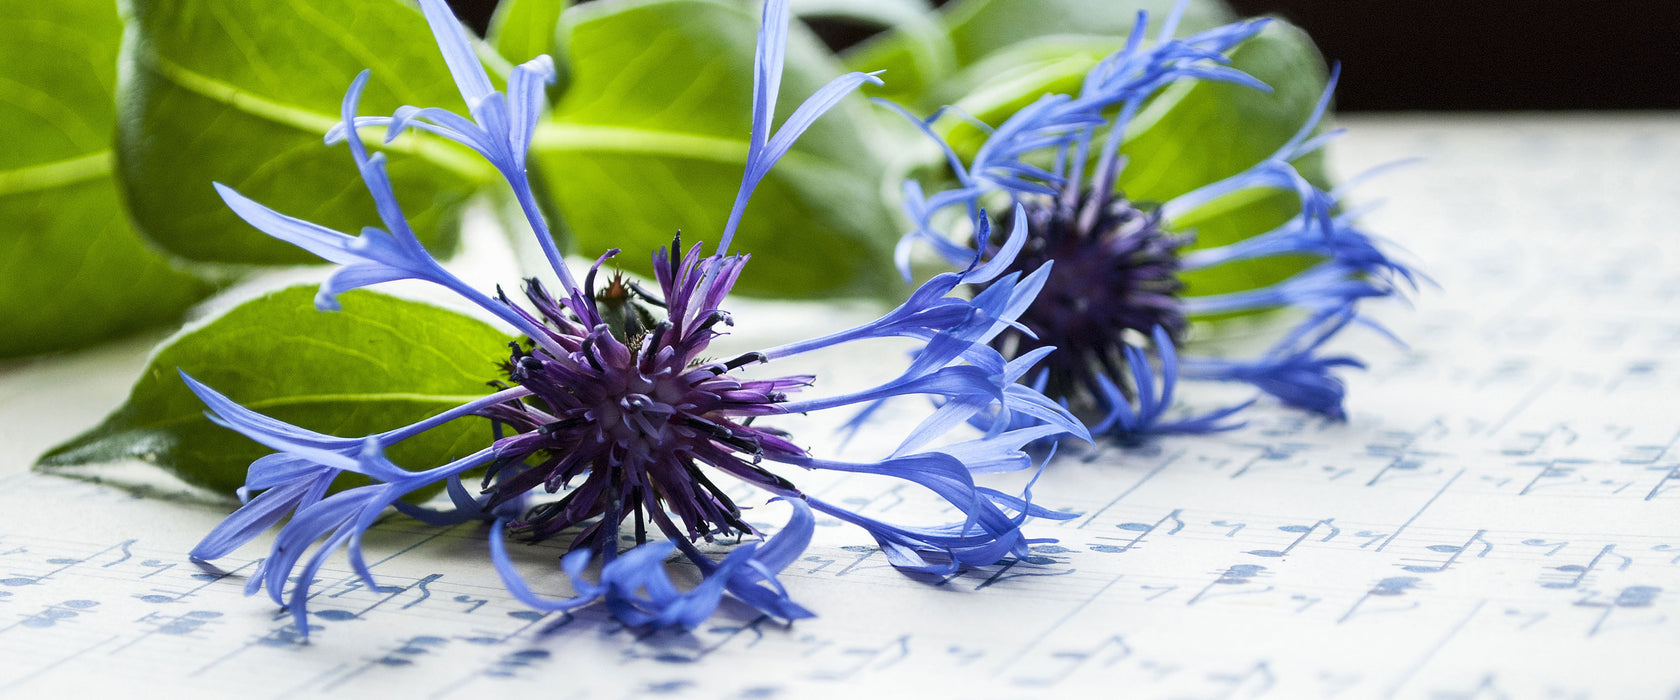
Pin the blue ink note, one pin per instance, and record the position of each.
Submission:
(1234, 576)
(668, 687)
(1629, 598)
(1391, 587)
(159, 567)
(1554, 546)
(1395, 585)
(472, 603)
(1004, 574)
(821, 562)
(53, 614)
(1160, 591)
(1575, 574)
(1143, 530)
(184, 624)
(1065, 662)
(126, 555)
(421, 585)
(1456, 550)
(1239, 574)
(1637, 596)
(286, 636)
(1304, 531)
(411, 647)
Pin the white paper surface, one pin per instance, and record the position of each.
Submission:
(1500, 517)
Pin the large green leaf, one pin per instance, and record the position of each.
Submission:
(525, 29)
(1191, 134)
(1199, 132)
(72, 271)
(242, 93)
(979, 29)
(380, 363)
(651, 137)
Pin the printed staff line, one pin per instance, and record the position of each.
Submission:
(1407, 675)
(1420, 511)
(1667, 446)
(1523, 403)
(1140, 482)
(299, 688)
(73, 563)
(219, 576)
(351, 576)
(18, 682)
(1022, 654)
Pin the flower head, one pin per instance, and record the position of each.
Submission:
(1116, 293)
(610, 402)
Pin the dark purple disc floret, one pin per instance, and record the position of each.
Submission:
(1114, 304)
(1115, 280)
(633, 409)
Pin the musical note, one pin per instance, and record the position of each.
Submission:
(1143, 530)
(1304, 531)
(1454, 550)
(1065, 662)
(857, 659)
(1391, 587)
(1631, 597)
(1574, 574)
(1562, 472)
(1232, 581)
(1234, 527)
(52, 615)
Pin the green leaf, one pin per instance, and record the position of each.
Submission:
(1199, 132)
(920, 43)
(980, 29)
(379, 364)
(651, 137)
(1191, 134)
(525, 29)
(242, 93)
(73, 271)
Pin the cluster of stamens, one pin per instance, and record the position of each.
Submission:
(622, 400)
(1115, 279)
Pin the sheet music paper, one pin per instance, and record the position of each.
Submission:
(1499, 517)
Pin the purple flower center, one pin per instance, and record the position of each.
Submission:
(1114, 280)
(632, 409)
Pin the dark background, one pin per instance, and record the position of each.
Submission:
(1494, 54)
(1465, 54)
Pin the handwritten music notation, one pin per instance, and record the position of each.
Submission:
(1500, 517)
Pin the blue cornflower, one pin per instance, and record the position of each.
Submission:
(608, 397)
(1116, 294)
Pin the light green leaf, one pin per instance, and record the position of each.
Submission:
(525, 29)
(242, 93)
(979, 29)
(72, 271)
(651, 137)
(919, 34)
(1199, 132)
(379, 364)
